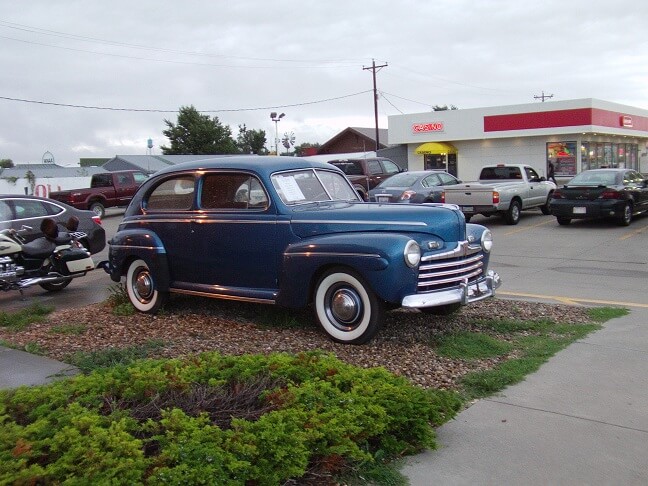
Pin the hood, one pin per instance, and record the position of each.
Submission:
(445, 222)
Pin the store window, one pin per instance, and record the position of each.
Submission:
(563, 157)
(599, 155)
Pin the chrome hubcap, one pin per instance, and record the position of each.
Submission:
(345, 308)
(143, 286)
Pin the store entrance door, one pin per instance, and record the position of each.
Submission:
(434, 161)
(452, 164)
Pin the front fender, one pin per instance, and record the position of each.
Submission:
(376, 257)
(133, 244)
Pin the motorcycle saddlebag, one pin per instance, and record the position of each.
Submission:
(73, 260)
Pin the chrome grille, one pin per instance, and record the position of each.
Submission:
(448, 269)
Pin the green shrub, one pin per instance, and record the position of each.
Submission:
(212, 419)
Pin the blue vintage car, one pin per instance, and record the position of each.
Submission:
(293, 232)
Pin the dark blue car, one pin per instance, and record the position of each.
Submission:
(294, 232)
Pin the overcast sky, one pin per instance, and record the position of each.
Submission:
(241, 60)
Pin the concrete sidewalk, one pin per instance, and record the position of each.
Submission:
(20, 368)
(581, 419)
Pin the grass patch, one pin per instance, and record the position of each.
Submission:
(106, 358)
(602, 314)
(534, 343)
(471, 346)
(19, 320)
(69, 329)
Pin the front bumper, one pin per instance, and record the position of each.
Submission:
(464, 294)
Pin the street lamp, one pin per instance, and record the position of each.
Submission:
(276, 119)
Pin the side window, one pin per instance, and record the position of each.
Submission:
(430, 181)
(27, 208)
(139, 177)
(172, 194)
(122, 179)
(532, 175)
(374, 167)
(390, 167)
(230, 190)
(5, 211)
(447, 179)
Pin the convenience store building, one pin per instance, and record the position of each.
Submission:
(575, 135)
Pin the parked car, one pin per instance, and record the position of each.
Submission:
(504, 189)
(107, 190)
(293, 232)
(365, 174)
(601, 193)
(28, 212)
(425, 186)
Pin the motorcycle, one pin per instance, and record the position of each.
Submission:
(51, 261)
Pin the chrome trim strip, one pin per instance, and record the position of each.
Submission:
(451, 272)
(330, 253)
(221, 296)
(335, 221)
(158, 248)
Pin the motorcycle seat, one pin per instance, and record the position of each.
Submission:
(39, 248)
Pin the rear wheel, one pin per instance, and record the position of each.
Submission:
(142, 289)
(512, 216)
(467, 218)
(55, 286)
(562, 221)
(441, 310)
(626, 216)
(98, 209)
(346, 308)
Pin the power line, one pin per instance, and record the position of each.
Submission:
(89, 107)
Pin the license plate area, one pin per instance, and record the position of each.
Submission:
(467, 209)
(382, 198)
(579, 210)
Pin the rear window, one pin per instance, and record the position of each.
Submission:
(349, 168)
(500, 173)
(403, 179)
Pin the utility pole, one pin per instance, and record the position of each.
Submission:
(542, 96)
(373, 69)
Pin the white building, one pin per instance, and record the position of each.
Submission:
(575, 135)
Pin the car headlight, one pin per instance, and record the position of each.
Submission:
(412, 254)
(487, 241)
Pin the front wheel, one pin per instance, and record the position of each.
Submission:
(346, 308)
(55, 286)
(545, 209)
(141, 288)
(512, 216)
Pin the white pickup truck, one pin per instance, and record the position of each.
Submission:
(505, 189)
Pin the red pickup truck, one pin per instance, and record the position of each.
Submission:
(365, 174)
(106, 190)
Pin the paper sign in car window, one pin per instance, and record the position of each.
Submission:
(290, 189)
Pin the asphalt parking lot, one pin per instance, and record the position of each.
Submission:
(585, 263)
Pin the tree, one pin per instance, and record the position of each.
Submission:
(198, 134)
(251, 141)
(6, 163)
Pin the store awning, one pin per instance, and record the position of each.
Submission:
(435, 148)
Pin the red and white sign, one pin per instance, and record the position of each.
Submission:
(626, 121)
(427, 127)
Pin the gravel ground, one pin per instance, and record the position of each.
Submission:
(192, 325)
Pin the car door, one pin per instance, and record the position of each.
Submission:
(537, 192)
(234, 233)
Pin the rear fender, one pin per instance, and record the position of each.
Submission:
(376, 257)
(129, 245)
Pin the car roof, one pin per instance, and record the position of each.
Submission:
(257, 163)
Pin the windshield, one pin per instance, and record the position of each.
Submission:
(594, 178)
(313, 185)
